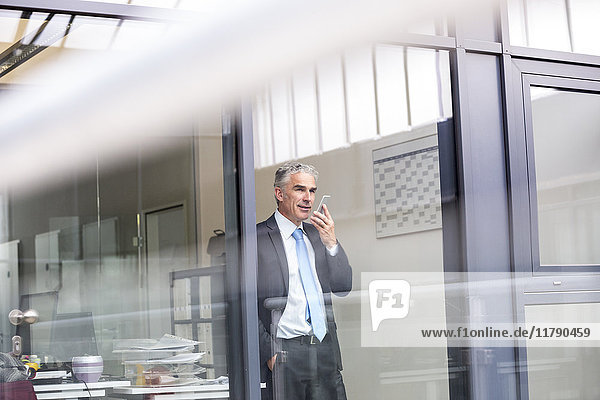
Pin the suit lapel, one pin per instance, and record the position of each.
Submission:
(275, 236)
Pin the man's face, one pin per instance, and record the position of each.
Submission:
(297, 197)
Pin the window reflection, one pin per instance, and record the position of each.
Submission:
(424, 90)
(548, 25)
(130, 33)
(9, 23)
(44, 31)
(305, 106)
(34, 41)
(332, 108)
(391, 89)
(566, 140)
(568, 25)
(364, 94)
(282, 120)
(360, 94)
(91, 33)
(585, 29)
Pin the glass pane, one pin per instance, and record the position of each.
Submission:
(113, 1)
(155, 3)
(391, 89)
(331, 103)
(423, 86)
(305, 106)
(130, 34)
(517, 26)
(566, 142)
(119, 244)
(563, 372)
(564, 25)
(385, 201)
(102, 278)
(584, 15)
(91, 33)
(9, 25)
(263, 129)
(193, 5)
(360, 92)
(283, 123)
(428, 25)
(49, 266)
(547, 22)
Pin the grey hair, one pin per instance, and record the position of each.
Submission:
(283, 173)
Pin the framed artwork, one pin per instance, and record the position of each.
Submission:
(406, 180)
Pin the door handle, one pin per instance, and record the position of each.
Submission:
(17, 317)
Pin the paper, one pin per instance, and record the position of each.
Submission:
(186, 358)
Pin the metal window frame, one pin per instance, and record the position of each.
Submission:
(525, 74)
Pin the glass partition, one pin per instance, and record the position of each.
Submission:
(121, 248)
(373, 137)
(119, 251)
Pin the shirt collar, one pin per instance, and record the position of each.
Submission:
(286, 227)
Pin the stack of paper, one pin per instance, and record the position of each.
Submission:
(170, 361)
(169, 343)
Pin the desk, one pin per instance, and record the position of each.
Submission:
(219, 391)
(76, 390)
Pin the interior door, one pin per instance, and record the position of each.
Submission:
(166, 251)
(9, 289)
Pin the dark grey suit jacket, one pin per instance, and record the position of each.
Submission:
(335, 276)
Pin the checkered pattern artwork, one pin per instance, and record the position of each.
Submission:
(407, 192)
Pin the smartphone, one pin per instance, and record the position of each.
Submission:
(324, 200)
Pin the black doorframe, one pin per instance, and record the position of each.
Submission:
(241, 254)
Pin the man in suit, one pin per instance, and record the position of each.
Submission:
(303, 263)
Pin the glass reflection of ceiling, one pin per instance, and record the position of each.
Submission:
(29, 40)
(13, 28)
(192, 5)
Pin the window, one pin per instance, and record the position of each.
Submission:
(363, 94)
(565, 137)
(564, 25)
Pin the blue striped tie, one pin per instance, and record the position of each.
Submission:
(315, 312)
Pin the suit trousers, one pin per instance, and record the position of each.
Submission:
(308, 371)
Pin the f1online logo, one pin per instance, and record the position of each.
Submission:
(389, 299)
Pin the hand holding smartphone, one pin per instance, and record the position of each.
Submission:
(324, 224)
(324, 201)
